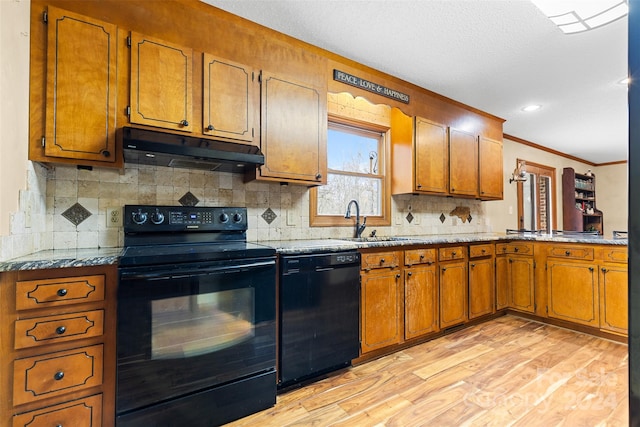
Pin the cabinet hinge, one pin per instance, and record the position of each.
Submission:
(260, 77)
(129, 110)
(44, 140)
(128, 41)
(45, 17)
(252, 133)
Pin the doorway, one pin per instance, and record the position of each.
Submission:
(537, 198)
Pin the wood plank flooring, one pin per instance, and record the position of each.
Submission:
(506, 372)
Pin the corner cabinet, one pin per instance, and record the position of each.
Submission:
(515, 285)
(79, 90)
(490, 172)
(293, 131)
(579, 210)
(161, 83)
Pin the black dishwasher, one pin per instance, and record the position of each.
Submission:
(319, 314)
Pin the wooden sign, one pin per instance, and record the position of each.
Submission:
(341, 76)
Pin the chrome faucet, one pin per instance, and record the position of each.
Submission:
(359, 227)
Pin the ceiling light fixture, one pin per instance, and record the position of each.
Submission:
(575, 16)
(532, 107)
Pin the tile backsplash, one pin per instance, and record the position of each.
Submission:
(65, 207)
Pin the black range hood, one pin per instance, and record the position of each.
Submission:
(157, 148)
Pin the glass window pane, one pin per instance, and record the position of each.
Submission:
(352, 152)
(334, 197)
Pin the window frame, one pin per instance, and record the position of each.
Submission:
(384, 165)
(538, 170)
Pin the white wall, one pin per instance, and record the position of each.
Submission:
(611, 188)
(14, 106)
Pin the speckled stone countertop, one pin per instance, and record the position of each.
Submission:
(63, 258)
(107, 256)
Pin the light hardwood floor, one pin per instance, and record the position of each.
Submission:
(509, 371)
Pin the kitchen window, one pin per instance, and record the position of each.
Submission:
(356, 169)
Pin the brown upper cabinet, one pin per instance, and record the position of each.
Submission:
(230, 100)
(463, 163)
(444, 160)
(80, 108)
(491, 169)
(161, 84)
(293, 131)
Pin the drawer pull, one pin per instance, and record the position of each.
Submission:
(604, 270)
(421, 256)
(409, 274)
(61, 330)
(515, 249)
(473, 265)
(58, 376)
(381, 260)
(62, 292)
(453, 253)
(567, 253)
(483, 250)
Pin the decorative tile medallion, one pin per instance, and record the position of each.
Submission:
(469, 218)
(76, 214)
(269, 215)
(189, 199)
(409, 217)
(442, 218)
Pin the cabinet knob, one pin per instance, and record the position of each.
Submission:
(444, 269)
(318, 176)
(567, 253)
(381, 260)
(473, 265)
(210, 127)
(409, 274)
(61, 292)
(61, 330)
(453, 189)
(604, 270)
(58, 375)
(419, 186)
(184, 123)
(591, 269)
(106, 153)
(398, 276)
(421, 256)
(515, 249)
(453, 253)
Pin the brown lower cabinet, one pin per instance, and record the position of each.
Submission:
(58, 354)
(515, 286)
(453, 286)
(482, 281)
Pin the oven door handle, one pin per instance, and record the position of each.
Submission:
(191, 272)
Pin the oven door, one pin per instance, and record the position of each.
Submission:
(190, 327)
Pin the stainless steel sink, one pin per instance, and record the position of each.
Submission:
(375, 239)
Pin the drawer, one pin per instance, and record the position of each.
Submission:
(570, 252)
(419, 256)
(476, 251)
(81, 412)
(615, 255)
(62, 328)
(454, 252)
(57, 292)
(54, 374)
(521, 248)
(380, 260)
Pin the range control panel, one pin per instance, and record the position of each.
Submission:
(149, 218)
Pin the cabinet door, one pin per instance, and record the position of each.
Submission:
(453, 293)
(161, 90)
(380, 310)
(481, 287)
(293, 131)
(521, 285)
(463, 163)
(502, 282)
(432, 156)
(573, 292)
(230, 99)
(491, 170)
(614, 289)
(81, 87)
(421, 301)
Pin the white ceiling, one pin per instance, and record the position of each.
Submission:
(494, 55)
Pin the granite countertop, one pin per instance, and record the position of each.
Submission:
(110, 256)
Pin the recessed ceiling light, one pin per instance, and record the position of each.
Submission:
(532, 107)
